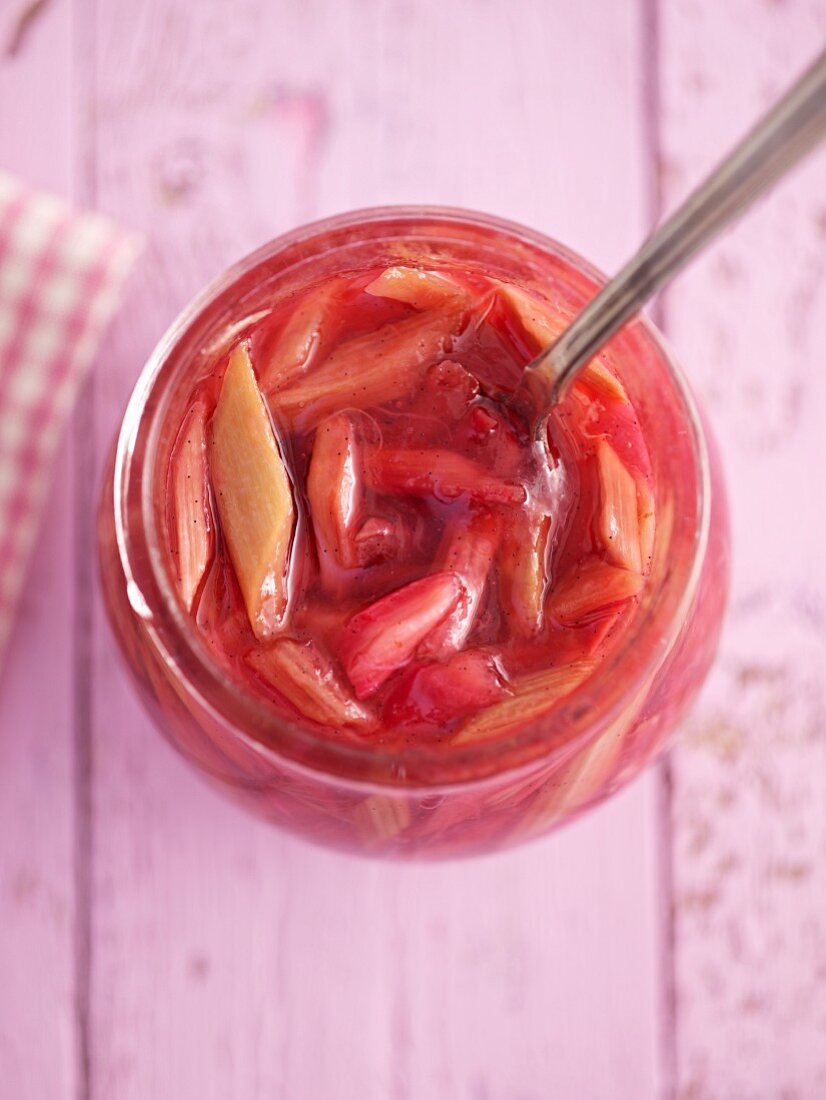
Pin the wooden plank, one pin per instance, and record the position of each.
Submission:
(38, 1037)
(230, 960)
(749, 323)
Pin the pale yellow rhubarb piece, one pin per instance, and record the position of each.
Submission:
(253, 495)
(299, 342)
(602, 381)
(194, 535)
(523, 575)
(542, 327)
(589, 588)
(370, 370)
(569, 786)
(533, 696)
(304, 675)
(618, 525)
(417, 288)
(589, 773)
(380, 817)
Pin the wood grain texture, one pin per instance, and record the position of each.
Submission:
(38, 1034)
(228, 960)
(749, 807)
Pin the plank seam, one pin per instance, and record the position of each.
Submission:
(652, 141)
(83, 64)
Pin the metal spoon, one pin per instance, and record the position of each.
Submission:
(785, 134)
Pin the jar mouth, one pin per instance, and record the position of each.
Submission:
(616, 681)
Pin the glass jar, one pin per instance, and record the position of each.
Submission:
(427, 799)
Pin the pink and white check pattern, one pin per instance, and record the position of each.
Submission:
(61, 275)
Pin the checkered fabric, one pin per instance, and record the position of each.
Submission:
(61, 274)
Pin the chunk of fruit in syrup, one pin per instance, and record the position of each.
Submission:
(532, 697)
(468, 551)
(589, 588)
(440, 692)
(618, 520)
(370, 370)
(445, 475)
(306, 677)
(586, 774)
(313, 323)
(193, 527)
(418, 288)
(253, 495)
(523, 570)
(538, 322)
(383, 637)
(334, 490)
(598, 377)
(380, 817)
(542, 327)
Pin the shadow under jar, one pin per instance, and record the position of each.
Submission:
(625, 631)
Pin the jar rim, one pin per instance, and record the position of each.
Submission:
(169, 629)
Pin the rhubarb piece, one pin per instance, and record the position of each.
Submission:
(381, 817)
(590, 772)
(618, 527)
(384, 636)
(533, 696)
(437, 693)
(420, 289)
(305, 676)
(193, 527)
(587, 775)
(589, 588)
(523, 570)
(601, 632)
(576, 782)
(312, 323)
(619, 424)
(253, 495)
(602, 382)
(468, 551)
(369, 370)
(220, 613)
(333, 490)
(541, 327)
(444, 475)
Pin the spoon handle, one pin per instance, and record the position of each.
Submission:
(785, 134)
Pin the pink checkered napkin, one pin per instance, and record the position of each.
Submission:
(61, 275)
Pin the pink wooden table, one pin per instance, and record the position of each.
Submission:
(157, 943)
